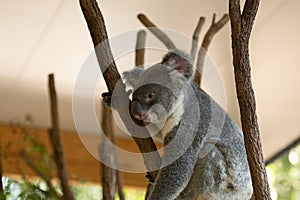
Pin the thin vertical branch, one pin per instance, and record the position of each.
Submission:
(1, 175)
(108, 156)
(96, 25)
(241, 27)
(213, 29)
(196, 37)
(120, 186)
(140, 49)
(156, 31)
(56, 142)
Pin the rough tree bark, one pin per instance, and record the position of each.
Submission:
(241, 26)
(56, 143)
(96, 25)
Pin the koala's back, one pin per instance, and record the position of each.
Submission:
(222, 171)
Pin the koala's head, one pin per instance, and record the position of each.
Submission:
(158, 90)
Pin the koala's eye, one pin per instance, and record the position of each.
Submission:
(150, 95)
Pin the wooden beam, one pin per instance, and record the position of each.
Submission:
(80, 163)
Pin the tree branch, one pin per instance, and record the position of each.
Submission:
(213, 29)
(196, 37)
(140, 49)
(96, 25)
(235, 18)
(120, 186)
(47, 180)
(250, 7)
(57, 143)
(241, 27)
(157, 32)
(1, 175)
(108, 155)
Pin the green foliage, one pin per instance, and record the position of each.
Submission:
(87, 191)
(134, 194)
(284, 175)
(36, 150)
(38, 157)
(24, 189)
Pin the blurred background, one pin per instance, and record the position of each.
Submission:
(42, 37)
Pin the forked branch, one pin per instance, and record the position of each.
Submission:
(241, 27)
(213, 29)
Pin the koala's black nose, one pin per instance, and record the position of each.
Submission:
(137, 110)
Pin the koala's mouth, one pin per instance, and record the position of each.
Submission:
(150, 117)
(145, 118)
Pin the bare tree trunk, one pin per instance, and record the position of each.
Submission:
(241, 26)
(96, 25)
(57, 143)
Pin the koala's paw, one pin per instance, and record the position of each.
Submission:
(106, 96)
(150, 179)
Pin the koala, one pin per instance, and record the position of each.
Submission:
(204, 157)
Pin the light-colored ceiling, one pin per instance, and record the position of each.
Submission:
(40, 37)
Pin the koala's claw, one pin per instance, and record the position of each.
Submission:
(149, 177)
(106, 96)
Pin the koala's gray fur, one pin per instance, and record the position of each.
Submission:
(204, 155)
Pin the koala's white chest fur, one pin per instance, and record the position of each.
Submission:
(175, 116)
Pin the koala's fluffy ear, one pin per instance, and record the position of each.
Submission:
(132, 76)
(180, 61)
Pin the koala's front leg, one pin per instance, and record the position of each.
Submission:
(173, 178)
